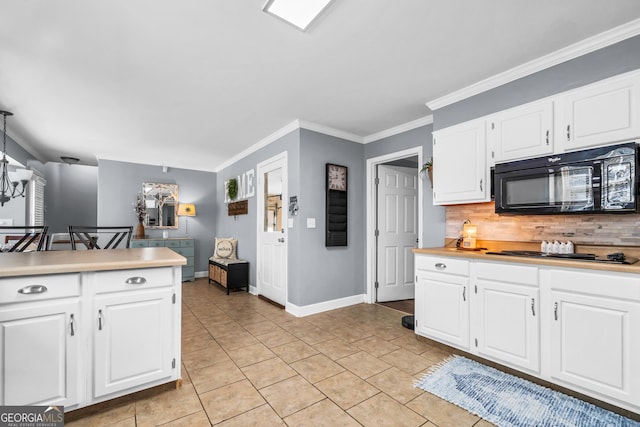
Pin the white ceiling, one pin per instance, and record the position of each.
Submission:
(192, 83)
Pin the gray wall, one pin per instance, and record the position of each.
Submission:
(71, 195)
(433, 217)
(315, 273)
(607, 62)
(120, 182)
(243, 227)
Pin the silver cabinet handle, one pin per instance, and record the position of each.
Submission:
(441, 266)
(136, 280)
(533, 306)
(33, 289)
(568, 132)
(547, 137)
(71, 324)
(99, 320)
(480, 184)
(555, 311)
(464, 293)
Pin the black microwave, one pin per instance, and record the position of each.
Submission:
(598, 180)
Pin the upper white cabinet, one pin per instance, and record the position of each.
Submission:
(521, 132)
(460, 172)
(601, 113)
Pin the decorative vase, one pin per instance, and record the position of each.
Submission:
(140, 231)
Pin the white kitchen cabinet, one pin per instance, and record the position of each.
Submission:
(595, 321)
(600, 113)
(133, 340)
(442, 300)
(40, 341)
(460, 173)
(521, 132)
(505, 314)
(133, 334)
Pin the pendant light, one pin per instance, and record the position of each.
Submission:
(9, 180)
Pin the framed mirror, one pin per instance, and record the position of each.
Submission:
(162, 205)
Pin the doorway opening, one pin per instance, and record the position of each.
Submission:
(394, 226)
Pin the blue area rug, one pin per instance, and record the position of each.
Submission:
(508, 401)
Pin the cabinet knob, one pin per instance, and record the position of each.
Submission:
(441, 266)
(33, 289)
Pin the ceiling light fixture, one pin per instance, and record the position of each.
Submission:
(9, 180)
(298, 13)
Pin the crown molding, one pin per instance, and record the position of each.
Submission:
(260, 144)
(423, 121)
(575, 50)
(331, 131)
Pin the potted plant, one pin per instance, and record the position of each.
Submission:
(232, 188)
(427, 169)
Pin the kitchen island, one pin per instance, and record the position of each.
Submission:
(82, 327)
(572, 323)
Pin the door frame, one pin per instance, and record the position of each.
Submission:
(260, 218)
(372, 207)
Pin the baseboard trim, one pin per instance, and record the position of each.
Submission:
(307, 310)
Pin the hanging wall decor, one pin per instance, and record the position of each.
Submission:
(336, 205)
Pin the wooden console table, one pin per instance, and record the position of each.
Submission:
(229, 273)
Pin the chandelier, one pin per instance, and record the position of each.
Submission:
(9, 180)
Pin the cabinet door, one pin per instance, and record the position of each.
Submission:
(39, 354)
(506, 323)
(442, 308)
(594, 344)
(459, 164)
(133, 339)
(601, 113)
(521, 132)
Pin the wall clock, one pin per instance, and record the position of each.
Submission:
(336, 205)
(336, 177)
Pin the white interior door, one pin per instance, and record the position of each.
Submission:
(272, 227)
(398, 231)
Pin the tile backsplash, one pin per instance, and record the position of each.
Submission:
(605, 229)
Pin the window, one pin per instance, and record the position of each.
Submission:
(36, 199)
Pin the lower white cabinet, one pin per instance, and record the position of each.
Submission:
(595, 327)
(573, 327)
(40, 353)
(442, 300)
(505, 306)
(78, 339)
(133, 340)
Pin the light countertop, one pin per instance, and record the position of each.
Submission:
(555, 262)
(54, 262)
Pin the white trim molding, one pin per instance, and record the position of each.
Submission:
(423, 121)
(591, 44)
(326, 130)
(308, 310)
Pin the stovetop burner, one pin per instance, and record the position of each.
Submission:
(614, 258)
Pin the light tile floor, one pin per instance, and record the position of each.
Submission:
(249, 363)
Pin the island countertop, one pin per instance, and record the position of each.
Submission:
(55, 262)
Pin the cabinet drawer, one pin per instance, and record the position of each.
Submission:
(139, 243)
(186, 252)
(123, 280)
(509, 273)
(186, 243)
(442, 265)
(172, 243)
(38, 288)
(155, 243)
